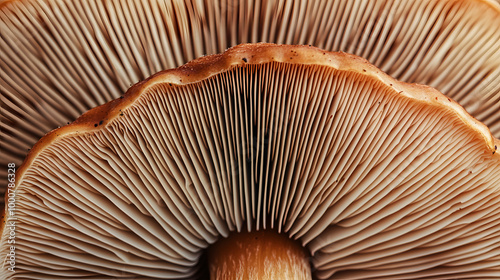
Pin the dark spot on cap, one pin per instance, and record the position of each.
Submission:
(245, 59)
(449, 99)
(121, 97)
(95, 125)
(364, 70)
(100, 122)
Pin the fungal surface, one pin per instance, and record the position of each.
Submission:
(375, 178)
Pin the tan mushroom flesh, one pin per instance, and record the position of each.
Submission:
(373, 177)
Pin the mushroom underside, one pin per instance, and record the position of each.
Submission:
(373, 183)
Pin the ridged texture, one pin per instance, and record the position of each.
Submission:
(61, 58)
(374, 184)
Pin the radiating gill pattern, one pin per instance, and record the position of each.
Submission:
(374, 184)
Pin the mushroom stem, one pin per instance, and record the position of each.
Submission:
(258, 255)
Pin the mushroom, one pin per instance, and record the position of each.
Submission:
(314, 150)
(62, 58)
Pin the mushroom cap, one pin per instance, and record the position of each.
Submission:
(376, 178)
(62, 58)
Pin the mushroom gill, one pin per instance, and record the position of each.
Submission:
(375, 178)
(62, 58)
